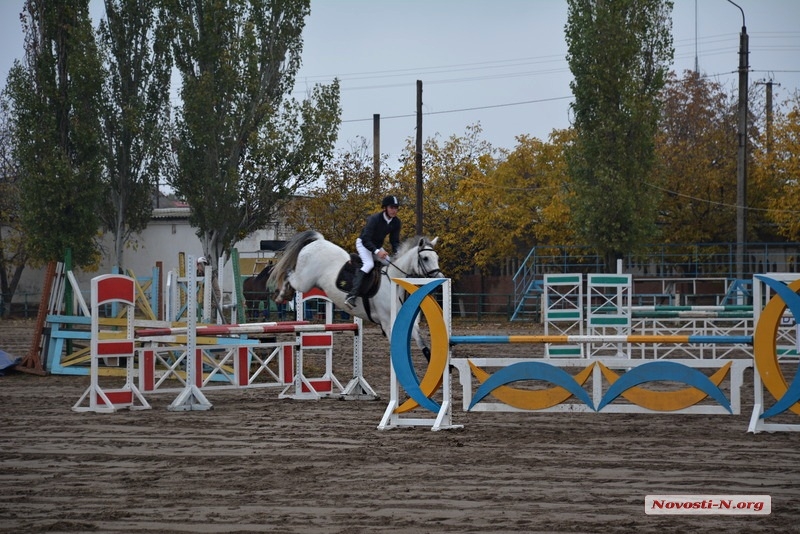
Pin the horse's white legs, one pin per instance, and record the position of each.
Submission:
(416, 334)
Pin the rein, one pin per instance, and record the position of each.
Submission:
(420, 268)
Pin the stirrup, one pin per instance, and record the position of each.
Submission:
(350, 301)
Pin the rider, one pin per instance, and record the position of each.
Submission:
(370, 243)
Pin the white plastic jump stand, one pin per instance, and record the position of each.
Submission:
(112, 288)
(358, 388)
(757, 423)
(320, 338)
(443, 420)
(173, 309)
(761, 294)
(303, 388)
(191, 398)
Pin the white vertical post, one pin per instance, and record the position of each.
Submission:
(191, 398)
(443, 420)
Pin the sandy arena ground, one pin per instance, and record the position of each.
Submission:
(256, 463)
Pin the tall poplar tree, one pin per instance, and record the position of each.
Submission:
(243, 146)
(13, 254)
(55, 97)
(135, 114)
(618, 52)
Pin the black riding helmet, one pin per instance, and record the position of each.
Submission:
(390, 201)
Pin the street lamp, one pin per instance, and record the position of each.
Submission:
(741, 156)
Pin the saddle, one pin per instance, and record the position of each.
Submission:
(371, 283)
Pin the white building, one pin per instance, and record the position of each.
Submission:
(167, 235)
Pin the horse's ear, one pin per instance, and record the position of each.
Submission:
(434, 240)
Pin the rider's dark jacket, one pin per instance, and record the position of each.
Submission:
(376, 230)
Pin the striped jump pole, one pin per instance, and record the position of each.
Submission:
(221, 330)
(569, 339)
(732, 311)
(696, 308)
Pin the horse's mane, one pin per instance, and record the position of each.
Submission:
(410, 243)
(265, 272)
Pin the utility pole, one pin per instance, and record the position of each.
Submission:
(376, 147)
(418, 158)
(741, 157)
(769, 116)
(769, 85)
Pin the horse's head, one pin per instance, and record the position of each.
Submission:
(417, 257)
(428, 259)
(284, 292)
(279, 280)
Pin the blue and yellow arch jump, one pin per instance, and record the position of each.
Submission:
(765, 347)
(564, 385)
(419, 391)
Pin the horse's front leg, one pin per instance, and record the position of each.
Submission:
(415, 333)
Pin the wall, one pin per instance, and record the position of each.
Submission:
(165, 237)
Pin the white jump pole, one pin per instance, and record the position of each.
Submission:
(191, 398)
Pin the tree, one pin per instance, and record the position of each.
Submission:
(13, 255)
(779, 167)
(243, 147)
(618, 52)
(696, 148)
(135, 114)
(347, 195)
(447, 212)
(55, 100)
(764, 184)
(522, 202)
(553, 189)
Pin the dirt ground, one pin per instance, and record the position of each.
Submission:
(257, 463)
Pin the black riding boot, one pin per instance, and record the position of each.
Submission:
(358, 278)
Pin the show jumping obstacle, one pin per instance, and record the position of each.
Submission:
(112, 289)
(240, 362)
(321, 339)
(615, 379)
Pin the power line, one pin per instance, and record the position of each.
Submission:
(731, 38)
(457, 67)
(715, 203)
(522, 103)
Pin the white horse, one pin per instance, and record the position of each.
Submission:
(309, 261)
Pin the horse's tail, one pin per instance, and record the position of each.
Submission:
(289, 257)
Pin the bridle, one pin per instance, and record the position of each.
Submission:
(421, 271)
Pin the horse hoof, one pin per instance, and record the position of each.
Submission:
(427, 353)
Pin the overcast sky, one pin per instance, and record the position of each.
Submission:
(500, 63)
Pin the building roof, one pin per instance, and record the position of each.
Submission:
(171, 213)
